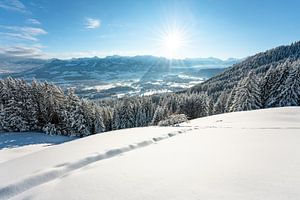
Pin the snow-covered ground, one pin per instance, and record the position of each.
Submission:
(245, 155)
(14, 145)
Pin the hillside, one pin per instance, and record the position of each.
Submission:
(259, 64)
(241, 155)
(265, 80)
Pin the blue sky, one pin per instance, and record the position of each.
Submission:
(218, 28)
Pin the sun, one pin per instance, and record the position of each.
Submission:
(172, 40)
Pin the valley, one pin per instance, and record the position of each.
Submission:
(118, 76)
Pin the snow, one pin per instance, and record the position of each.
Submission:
(151, 92)
(242, 155)
(14, 145)
(108, 86)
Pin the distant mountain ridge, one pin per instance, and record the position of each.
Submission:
(15, 64)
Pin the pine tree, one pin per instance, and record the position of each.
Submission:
(98, 123)
(106, 113)
(267, 85)
(194, 105)
(220, 105)
(248, 95)
(12, 116)
(211, 110)
(277, 79)
(230, 99)
(13, 120)
(145, 112)
(124, 114)
(74, 119)
(290, 91)
(37, 95)
(29, 108)
(160, 114)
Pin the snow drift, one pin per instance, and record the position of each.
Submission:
(243, 155)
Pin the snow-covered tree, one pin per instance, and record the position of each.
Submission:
(12, 116)
(194, 105)
(124, 115)
(160, 114)
(173, 120)
(29, 108)
(74, 120)
(290, 91)
(273, 82)
(267, 84)
(248, 95)
(98, 121)
(220, 105)
(145, 112)
(211, 105)
(230, 99)
(106, 113)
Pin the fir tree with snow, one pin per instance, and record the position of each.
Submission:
(290, 90)
(220, 105)
(248, 94)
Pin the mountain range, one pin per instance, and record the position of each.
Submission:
(116, 75)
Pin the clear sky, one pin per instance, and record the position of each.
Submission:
(187, 28)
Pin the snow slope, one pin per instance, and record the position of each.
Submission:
(14, 145)
(244, 155)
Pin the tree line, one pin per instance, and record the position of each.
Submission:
(42, 106)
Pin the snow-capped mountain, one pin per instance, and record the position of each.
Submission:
(15, 64)
(118, 75)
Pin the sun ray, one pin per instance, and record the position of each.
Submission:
(172, 39)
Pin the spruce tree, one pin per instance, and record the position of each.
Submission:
(278, 78)
(220, 105)
(160, 114)
(290, 91)
(248, 94)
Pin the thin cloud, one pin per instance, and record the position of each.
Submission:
(33, 21)
(22, 51)
(33, 31)
(91, 23)
(13, 5)
(17, 36)
(21, 33)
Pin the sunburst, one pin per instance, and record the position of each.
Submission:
(172, 39)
